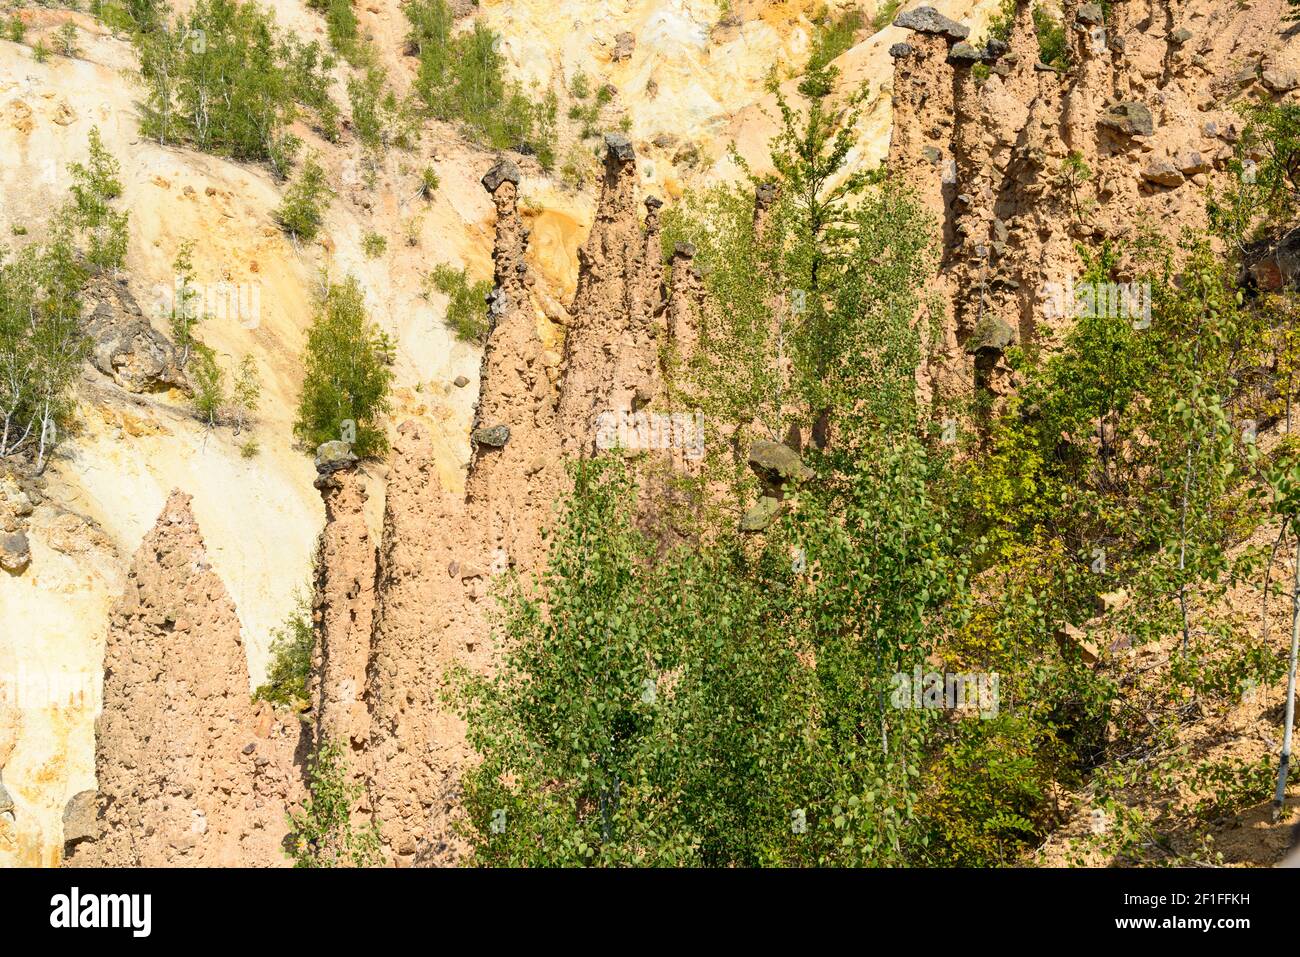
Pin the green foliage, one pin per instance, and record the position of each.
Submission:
(94, 186)
(42, 344)
(208, 382)
(429, 182)
(461, 79)
(885, 14)
(663, 713)
(1265, 194)
(379, 120)
(288, 677)
(1003, 22)
(16, 29)
(1053, 42)
(302, 211)
(66, 40)
(341, 24)
(323, 834)
(40, 52)
(346, 378)
(654, 708)
(466, 311)
(225, 80)
(245, 396)
(834, 36)
(185, 312)
(374, 245)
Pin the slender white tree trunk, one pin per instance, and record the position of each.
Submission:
(1280, 796)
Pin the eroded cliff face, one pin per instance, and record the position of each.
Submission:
(473, 477)
(1020, 164)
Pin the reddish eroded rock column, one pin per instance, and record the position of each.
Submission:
(343, 605)
(920, 143)
(175, 750)
(611, 355)
(516, 470)
(422, 617)
(1091, 84)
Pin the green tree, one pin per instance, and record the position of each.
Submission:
(288, 677)
(302, 212)
(346, 379)
(208, 381)
(466, 309)
(94, 186)
(223, 79)
(323, 834)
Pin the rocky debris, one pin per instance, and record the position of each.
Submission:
(1274, 265)
(624, 44)
(1162, 172)
(963, 54)
(176, 716)
(460, 382)
(125, 347)
(1279, 81)
(15, 552)
(1074, 642)
(761, 515)
(1246, 75)
(990, 334)
(343, 607)
(1190, 162)
(900, 50)
(80, 820)
(1129, 118)
(1091, 14)
(776, 464)
(493, 436)
(930, 20)
(1180, 36)
(1111, 601)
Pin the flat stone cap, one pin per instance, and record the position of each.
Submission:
(930, 20)
(620, 147)
(991, 334)
(502, 171)
(333, 456)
